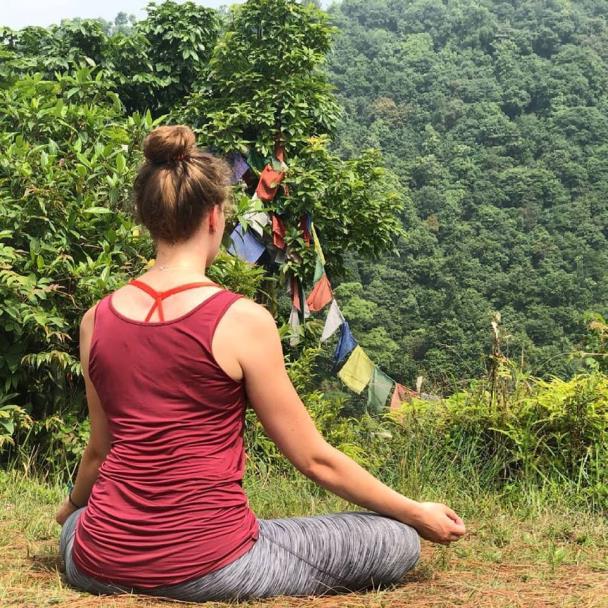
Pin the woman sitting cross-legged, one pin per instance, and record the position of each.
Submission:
(170, 361)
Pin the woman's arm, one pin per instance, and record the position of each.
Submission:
(289, 425)
(99, 439)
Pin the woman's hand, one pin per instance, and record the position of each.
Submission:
(65, 510)
(438, 523)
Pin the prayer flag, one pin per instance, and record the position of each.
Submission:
(257, 219)
(239, 168)
(297, 297)
(400, 394)
(278, 232)
(294, 323)
(304, 227)
(320, 295)
(319, 270)
(245, 245)
(333, 321)
(357, 371)
(346, 343)
(279, 152)
(296, 301)
(306, 308)
(269, 183)
(317, 243)
(378, 390)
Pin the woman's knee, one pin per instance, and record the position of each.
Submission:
(68, 530)
(409, 547)
(400, 543)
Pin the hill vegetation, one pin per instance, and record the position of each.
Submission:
(494, 116)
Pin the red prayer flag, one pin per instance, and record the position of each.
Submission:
(269, 183)
(295, 293)
(400, 394)
(279, 152)
(321, 294)
(278, 232)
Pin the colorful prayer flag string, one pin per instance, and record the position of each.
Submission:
(357, 371)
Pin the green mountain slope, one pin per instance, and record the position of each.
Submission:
(494, 116)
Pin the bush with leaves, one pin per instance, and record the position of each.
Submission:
(543, 431)
(70, 151)
(65, 235)
(151, 66)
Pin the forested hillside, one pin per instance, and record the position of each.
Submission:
(494, 116)
(490, 184)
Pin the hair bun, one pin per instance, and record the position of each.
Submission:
(169, 143)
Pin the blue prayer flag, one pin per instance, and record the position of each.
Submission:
(346, 343)
(239, 168)
(245, 245)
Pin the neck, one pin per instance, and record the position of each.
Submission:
(181, 257)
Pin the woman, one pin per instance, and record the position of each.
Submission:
(158, 505)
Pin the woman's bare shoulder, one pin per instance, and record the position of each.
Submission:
(88, 318)
(247, 311)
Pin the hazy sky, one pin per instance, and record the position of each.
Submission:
(18, 13)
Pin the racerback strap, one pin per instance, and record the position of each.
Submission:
(159, 296)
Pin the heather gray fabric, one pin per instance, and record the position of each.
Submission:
(316, 555)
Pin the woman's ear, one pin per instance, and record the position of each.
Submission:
(214, 220)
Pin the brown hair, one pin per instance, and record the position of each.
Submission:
(177, 184)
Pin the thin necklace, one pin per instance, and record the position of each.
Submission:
(167, 267)
(162, 267)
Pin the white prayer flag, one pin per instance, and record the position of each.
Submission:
(333, 321)
(255, 217)
(257, 220)
(294, 322)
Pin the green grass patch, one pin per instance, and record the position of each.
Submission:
(529, 548)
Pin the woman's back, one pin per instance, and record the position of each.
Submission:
(168, 504)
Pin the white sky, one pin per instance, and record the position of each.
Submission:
(19, 13)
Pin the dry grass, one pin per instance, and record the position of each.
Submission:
(549, 559)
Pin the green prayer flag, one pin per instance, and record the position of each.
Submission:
(378, 390)
(319, 270)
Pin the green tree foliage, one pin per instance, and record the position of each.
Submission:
(536, 432)
(151, 65)
(260, 83)
(177, 40)
(493, 115)
(265, 84)
(63, 179)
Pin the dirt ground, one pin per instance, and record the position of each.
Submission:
(31, 576)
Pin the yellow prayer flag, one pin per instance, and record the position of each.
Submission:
(317, 243)
(357, 371)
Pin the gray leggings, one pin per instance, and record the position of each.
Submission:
(316, 555)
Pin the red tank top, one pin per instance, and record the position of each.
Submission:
(168, 504)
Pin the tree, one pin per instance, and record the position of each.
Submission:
(265, 84)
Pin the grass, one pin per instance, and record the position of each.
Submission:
(528, 549)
